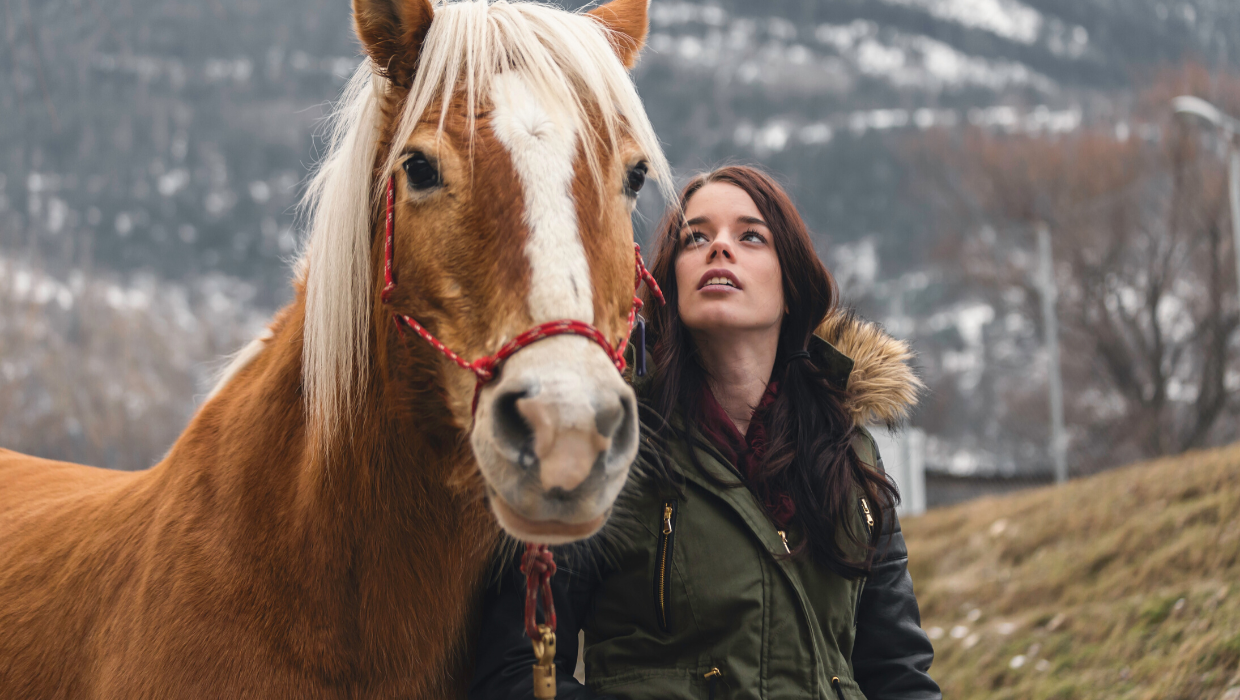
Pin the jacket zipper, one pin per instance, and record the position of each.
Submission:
(712, 678)
(783, 537)
(667, 540)
(869, 527)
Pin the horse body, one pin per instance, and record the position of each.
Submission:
(235, 569)
(321, 529)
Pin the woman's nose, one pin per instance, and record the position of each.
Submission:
(720, 248)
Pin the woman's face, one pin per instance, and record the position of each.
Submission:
(727, 273)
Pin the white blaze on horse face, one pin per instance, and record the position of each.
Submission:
(556, 432)
(543, 146)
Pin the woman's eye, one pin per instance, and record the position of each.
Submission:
(420, 172)
(635, 179)
(753, 236)
(695, 238)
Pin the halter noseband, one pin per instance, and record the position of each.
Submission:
(486, 368)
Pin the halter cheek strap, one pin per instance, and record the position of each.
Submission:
(486, 368)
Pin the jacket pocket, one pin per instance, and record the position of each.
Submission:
(663, 563)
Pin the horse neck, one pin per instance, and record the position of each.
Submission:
(391, 512)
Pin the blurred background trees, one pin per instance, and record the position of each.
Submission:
(1148, 306)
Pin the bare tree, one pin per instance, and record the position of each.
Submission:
(1148, 296)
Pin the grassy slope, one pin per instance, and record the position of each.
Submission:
(1124, 585)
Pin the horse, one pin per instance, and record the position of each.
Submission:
(324, 525)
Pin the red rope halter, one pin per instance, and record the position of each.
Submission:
(485, 368)
(537, 564)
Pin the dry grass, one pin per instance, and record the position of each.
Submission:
(1123, 585)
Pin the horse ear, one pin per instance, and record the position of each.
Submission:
(392, 32)
(627, 22)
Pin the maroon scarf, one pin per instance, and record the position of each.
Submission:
(746, 451)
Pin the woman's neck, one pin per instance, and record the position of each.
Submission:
(738, 367)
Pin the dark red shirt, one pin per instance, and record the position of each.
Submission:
(746, 451)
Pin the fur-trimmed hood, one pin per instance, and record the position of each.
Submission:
(880, 384)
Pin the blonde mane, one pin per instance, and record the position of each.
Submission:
(567, 58)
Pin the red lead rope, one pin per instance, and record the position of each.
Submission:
(537, 564)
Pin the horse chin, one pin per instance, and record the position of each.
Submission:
(542, 531)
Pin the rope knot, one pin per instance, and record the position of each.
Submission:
(538, 565)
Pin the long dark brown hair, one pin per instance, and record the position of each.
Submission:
(809, 433)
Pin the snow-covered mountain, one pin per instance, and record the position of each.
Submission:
(172, 135)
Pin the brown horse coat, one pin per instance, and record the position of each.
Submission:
(231, 569)
(258, 561)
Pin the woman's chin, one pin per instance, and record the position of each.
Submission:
(719, 318)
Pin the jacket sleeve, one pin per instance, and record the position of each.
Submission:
(891, 654)
(504, 656)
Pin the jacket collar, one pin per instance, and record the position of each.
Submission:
(881, 386)
(872, 368)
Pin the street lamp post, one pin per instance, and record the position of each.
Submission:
(1050, 294)
(1230, 126)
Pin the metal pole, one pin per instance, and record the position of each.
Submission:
(1230, 126)
(1233, 184)
(1059, 443)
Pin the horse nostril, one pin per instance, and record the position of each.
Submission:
(511, 427)
(607, 419)
(623, 424)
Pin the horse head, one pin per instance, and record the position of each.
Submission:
(514, 145)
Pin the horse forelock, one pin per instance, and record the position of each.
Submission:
(535, 58)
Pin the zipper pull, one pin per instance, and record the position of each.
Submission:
(667, 519)
(784, 536)
(712, 677)
(869, 519)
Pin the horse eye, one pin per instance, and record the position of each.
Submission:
(420, 172)
(636, 178)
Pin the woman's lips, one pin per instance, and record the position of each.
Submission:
(720, 279)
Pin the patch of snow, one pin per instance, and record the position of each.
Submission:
(1009, 19)
(816, 133)
(771, 138)
(918, 61)
(665, 14)
(844, 36)
(856, 264)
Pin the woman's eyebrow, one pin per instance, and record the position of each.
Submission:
(699, 220)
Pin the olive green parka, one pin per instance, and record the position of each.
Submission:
(690, 592)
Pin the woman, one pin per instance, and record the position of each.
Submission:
(756, 553)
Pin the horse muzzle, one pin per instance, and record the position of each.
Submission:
(555, 436)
